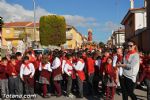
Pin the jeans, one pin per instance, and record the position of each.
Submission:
(90, 83)
(4, 87)
(128, 89)
(13, 85)
(80, 85)
(69, 85)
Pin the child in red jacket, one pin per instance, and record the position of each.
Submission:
(3, 77)
(111, 77)
(13, 76)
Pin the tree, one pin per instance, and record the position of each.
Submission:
(52, 30)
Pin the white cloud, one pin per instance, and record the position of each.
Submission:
(109, 26)
(16, 12)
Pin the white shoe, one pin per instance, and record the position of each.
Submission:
(71, 95)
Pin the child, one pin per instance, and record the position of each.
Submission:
(19, 62)
(68, 69)
(13, 76)
(45, 68)
(110, 76)
(80, 73)
(57, 73)
(3, 77)
(26, 74)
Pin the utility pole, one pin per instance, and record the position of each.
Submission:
(1, 24)
(34, 33)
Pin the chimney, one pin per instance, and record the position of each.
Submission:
(131, 4)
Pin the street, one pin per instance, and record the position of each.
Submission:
(140, 94)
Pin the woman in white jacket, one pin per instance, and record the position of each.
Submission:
(131, 62)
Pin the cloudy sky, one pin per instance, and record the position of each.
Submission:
(102, 16)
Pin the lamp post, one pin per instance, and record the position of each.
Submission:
(34, 34)
(34, 19)
(1, 24)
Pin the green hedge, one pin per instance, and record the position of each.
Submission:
(52, 30)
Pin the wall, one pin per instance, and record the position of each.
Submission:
(140, 20)
(7, 32)
(146, 41)
(148, 14)
(130, 27)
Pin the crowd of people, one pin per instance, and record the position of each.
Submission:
(64, 72)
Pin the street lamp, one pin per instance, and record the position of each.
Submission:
(34, 33)
(1, 24)
(34, 19)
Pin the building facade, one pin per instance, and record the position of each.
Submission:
(118, 38)
(15, 34)
(135, 23)
(74, 39)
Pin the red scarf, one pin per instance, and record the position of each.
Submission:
(27, 65)
(69, 63)
(129, 53)
(43, 65)
(119, 58)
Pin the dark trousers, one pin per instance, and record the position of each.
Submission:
(69, 85)
(148, 88)
(4, 87)
(57, 87)
(128, 89)
(20, 85)
(90, 83)
(13, 85)
(80, 85)
(121, 83)
(29, 84)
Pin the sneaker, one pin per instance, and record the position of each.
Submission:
(71, 95)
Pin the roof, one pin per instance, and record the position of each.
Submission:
(120, 30)
(70, 27)
(17, 24)
(131, 11)
(32, 25)
(20, 24)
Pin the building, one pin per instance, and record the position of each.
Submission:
(13, 32)
(74, 39)
(147, 4)
(16, 32)
(109, 43)
(135, 22)
(118, 37)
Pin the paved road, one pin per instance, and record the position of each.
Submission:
(140, 93)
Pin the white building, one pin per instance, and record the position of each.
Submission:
(118, 37)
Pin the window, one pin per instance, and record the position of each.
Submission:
(7, 31)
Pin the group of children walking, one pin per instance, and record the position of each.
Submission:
(58, 71)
